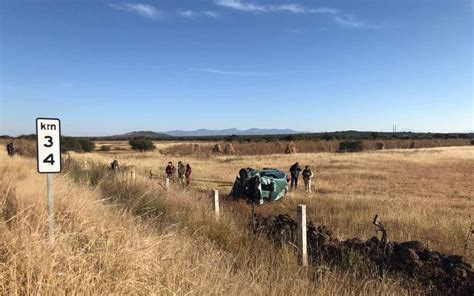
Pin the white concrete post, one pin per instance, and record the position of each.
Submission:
(302, 237)
(167, 183)
(50, 178)
(215, 201)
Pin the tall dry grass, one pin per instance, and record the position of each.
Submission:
(119, 237)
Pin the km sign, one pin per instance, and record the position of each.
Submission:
(48, 133)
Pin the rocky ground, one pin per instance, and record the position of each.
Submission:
(441, 274)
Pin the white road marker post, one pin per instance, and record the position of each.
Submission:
(50, 178)
(215, 202)
(48, 146)
(302, 236)
(167, 183)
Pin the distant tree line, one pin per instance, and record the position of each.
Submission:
(327, 136)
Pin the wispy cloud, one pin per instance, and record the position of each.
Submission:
(237, 4)
(221, 72)
(352, 23)
(187, 14)
(337, 16)
(141, 9)
(291, 7)
(190, 14)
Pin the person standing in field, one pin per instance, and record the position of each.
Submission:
(307, 177)
(295, 173)
(187, 174)
(181, 174)
(10, 149)
(170, 171)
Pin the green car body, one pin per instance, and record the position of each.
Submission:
(260, 186)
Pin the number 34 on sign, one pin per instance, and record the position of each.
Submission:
(48, 136)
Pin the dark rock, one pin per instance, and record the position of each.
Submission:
(414, 245)
(429, 256)
(407, 255)
(456, 259)
(373, 242)
(438, 272)
(441, 274)
(417, 263)
(459, 273)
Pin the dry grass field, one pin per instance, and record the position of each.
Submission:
(420, 194)
(268, 146)
(117, 237)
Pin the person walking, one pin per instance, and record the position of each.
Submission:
(295, 173)
(181, 174)
(170, 171)
(187, 174)
(307, 177)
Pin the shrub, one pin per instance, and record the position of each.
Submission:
(105, 148)
(351, 146)
(142, 145)
(76, 145)
(70, 144)
(87, 145)
(472, 142)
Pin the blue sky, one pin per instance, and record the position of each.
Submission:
(108, 67)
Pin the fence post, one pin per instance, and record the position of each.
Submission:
(167, 183)
(133, 175)
(215, 201)
(302, 239)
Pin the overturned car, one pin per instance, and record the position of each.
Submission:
(260, 186)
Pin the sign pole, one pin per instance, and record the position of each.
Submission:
(50, 207)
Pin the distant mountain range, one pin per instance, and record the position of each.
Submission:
(230, 132)
(208, 133)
